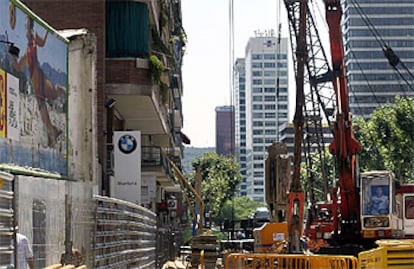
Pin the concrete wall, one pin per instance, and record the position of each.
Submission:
(83, 155)
(41, 207)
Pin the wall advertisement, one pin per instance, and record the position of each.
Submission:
(33, 91)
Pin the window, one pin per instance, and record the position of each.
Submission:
(257, 73)
(269, 73)
(257, 165)
(256, 56)
(257, 140)
(270, 90)
(258, 191)
(282, 56)
(127, 29)
(269, 81)
(258, 174)
(409, 207)
(257, 65)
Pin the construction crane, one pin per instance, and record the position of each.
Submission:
(318, 100)
(350, 221)
(344, 146)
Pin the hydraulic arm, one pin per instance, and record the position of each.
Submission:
(344, 145)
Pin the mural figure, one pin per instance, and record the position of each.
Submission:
(42, 86)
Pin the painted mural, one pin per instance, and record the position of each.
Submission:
(33, 91)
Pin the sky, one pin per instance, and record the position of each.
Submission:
(205, 70)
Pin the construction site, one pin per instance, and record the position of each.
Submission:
(118, 198)
(364, 220)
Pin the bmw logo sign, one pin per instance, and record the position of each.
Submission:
(127, 144)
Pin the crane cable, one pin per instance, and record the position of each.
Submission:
(279, 36)
(392, 58)
(351, 90)
(231, 75)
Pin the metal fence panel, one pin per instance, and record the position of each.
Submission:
(124, 235)
(289, 261)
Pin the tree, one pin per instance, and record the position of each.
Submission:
(393, 131)
(237, 208)
(369, 157)
(220, 178)
(317, 185)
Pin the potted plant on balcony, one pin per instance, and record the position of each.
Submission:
(156, 68)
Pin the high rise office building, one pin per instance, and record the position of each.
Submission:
(372, 80)
(225, 130)
(266, 105)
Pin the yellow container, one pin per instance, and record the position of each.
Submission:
(269, 235)
(389, 255)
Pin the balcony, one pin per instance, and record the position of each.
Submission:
(153, 161)
(145, 101)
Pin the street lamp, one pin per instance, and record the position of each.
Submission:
(13, 50)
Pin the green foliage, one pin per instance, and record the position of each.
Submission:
(237, 208)
(387, 143)
(369, 157)
(156, 68)
(183, 37)
(220, 177)
(393, 132)
(192, 153)
(313, 179)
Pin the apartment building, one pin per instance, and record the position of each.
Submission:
(139, 56)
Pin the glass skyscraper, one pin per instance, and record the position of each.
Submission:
(369, 27)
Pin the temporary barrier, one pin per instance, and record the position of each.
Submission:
(389, 255)
(60, 266)
(289, 261)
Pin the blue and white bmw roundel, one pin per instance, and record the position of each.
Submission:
(127, 144)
